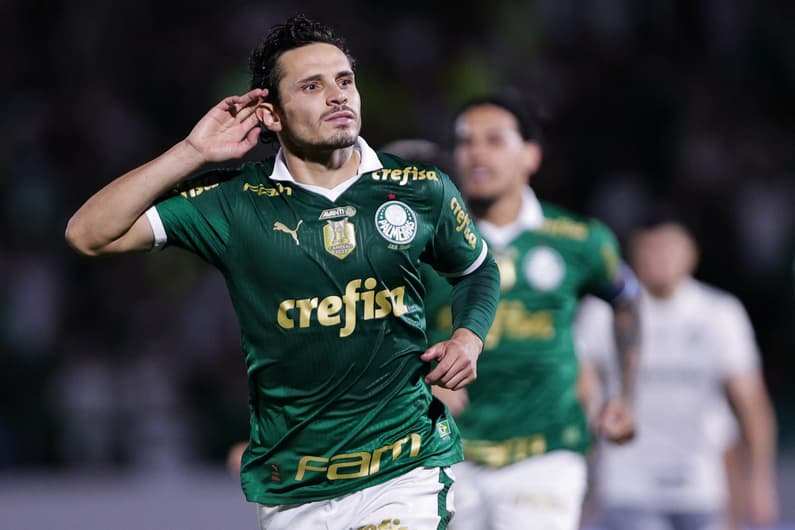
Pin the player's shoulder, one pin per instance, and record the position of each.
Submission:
(567, 224)
(250, 176)
(719, 299)
(402, 173)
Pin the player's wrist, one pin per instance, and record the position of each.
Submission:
(469, 337)
(190, 154)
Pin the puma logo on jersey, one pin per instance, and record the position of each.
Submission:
(281, 227)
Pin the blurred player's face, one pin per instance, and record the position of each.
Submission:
(492, 159)
(319, 106)
(662, 257)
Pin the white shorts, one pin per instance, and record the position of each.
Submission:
(421, 499)
(543, 492)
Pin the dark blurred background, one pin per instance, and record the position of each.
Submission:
(134, 363)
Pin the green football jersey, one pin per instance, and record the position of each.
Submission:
(524, 400)
(330, 304)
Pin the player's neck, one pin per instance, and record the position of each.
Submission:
(664, 292)
(326, 169)
(503, 211)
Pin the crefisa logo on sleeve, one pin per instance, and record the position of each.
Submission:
(396, 222)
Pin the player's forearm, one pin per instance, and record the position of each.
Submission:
(757, 421)
(474, 299)
(110, 213)
(626, 329)
(759, 430)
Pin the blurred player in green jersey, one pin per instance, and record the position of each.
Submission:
(525, 432)
(320, 247)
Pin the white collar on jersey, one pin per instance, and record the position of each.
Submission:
(531, 217)
(369, 162)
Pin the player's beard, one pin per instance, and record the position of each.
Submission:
(480, 205)
(338, 139)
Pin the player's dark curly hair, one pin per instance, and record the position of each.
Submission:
(296, 32)
(521, 106)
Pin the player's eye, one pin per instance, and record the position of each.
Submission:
(495, 140)
(462, 141)
(310, 87)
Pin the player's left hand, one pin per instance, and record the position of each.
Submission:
(616, 421)
(457, 360)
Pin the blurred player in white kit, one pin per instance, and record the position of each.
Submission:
(698, 350)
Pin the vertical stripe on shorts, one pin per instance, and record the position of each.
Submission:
(444, 513)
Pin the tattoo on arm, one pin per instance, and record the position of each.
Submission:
(627, 332)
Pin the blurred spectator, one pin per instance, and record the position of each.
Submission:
(698, 349)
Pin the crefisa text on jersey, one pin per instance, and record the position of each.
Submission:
(329, 310)
(402, 176)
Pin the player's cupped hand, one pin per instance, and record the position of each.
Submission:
(230, 129)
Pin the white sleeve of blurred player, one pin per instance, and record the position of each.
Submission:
(739, 347)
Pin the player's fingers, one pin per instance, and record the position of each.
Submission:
(246, 99)
(460, 380)
(253, 96)
(234, 104)
(461, 373)
(251, 138)
(434, 352)
(249, 115)
(230, 104)
(618, 431)
(437, 374)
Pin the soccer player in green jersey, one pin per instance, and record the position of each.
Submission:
(525, 432)
(320, 247)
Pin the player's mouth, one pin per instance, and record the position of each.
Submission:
(342, 117)
(479, 174)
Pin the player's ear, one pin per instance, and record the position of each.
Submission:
(268, 116)
(532, 157)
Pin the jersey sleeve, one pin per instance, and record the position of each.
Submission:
(738, 347)
(438, 315)
(196, 216)
(608, 277)
(456, 248)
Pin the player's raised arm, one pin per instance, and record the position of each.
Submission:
(112, 220)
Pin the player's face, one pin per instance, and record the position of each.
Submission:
(319, 104)
(662, 257)
(492, 159)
